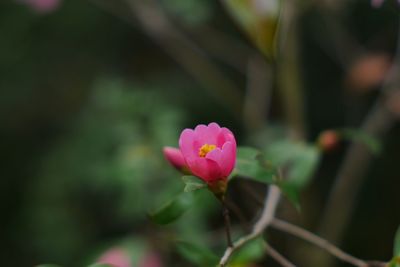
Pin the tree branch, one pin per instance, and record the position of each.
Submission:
(267, 215)
(353, 170)
(186, 52)
(322, 243)
(277, 256)
(316, 240)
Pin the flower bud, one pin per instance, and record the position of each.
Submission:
(174, 156)
(328, 140)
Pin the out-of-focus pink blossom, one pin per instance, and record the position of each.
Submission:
(209, 151)
(379, 3)
(368, 71)
(42, 6)
(151, 260)
(117, 257)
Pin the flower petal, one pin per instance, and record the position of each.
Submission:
(228, 158)
(225, 135)
(207, 134)
(206, 169)
(174, 156)
(189, 144)
(215, 155)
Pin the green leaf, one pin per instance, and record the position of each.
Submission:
(395, 262)
(291, 192)
(396, 247)
(259, 20)
(48, 265)
(196, 254)
(252, 251)
(191, 12)
(192, 183)
(251, 164)
(298, 162)
(173, 209)
(355, 135)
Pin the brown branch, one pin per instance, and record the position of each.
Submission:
(258, 93)
(186, 53)
(317, 241)
(267, 215)
(227, 220)
(223, 47)
(277, 256)
(354, 167)
(238, 213)
(288, 71)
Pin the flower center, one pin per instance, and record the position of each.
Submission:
(203, 151)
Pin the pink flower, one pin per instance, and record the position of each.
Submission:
(209, 151)
(42, 6)
(151, 259)
(174, 156)
(377, 3)
(117, 257)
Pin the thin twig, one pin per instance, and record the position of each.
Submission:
(267, 215)
(277, 256)
(253, 194)
(288, 71)
(227, 220)
(258, 93)
(116, 9)
(223, 47)
(186, 53)
(322, 243)
(238, 213)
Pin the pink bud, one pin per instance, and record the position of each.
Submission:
(174, 156)
(117, 257)
(328, 140)
(209, 151)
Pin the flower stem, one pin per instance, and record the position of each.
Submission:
(227, 220)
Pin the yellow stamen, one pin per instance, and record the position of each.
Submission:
(203, 151)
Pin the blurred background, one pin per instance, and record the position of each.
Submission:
(91, 91)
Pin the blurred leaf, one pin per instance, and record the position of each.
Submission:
(252, 251)
(297, 161)
(173, 209)
(291, 192)
(101, 265)
(355, 135)
(259, 19)
(395, 262)
(396, 247)
(192, 183)
(108, 162)
(196, 254)
(48, 265)
(191, 12)
(251, 164)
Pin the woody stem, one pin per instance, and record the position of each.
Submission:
(227, 220)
